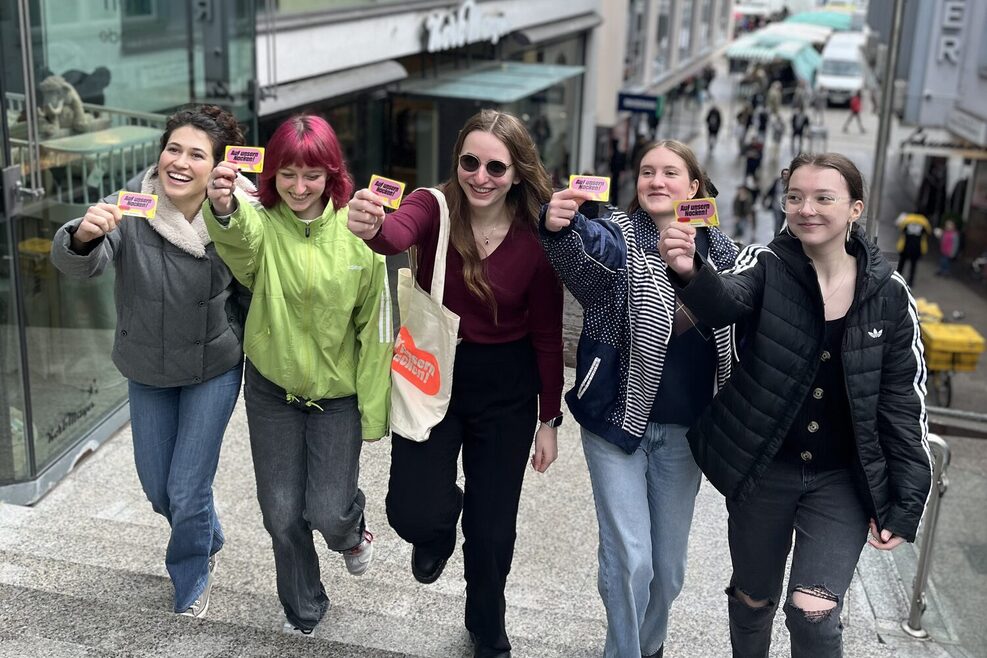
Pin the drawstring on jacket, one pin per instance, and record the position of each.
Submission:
(291, 398)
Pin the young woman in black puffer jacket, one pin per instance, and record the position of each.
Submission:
(822, 429)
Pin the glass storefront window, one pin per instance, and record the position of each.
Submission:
(636, 35)
(704, 25)
(308, 6)
(552, 114)
(664, 49)
(685, 31)
(107, 74)
(723, 26)
(14, 464)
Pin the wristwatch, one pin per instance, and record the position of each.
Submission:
(554, 422)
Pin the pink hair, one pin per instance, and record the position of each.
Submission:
(308, 141)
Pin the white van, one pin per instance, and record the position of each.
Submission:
(841, 72)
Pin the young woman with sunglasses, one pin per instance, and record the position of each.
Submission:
(645, 369)
(822, 429)
(318, 346)
(508, 372)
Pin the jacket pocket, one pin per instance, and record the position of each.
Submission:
(588, 378)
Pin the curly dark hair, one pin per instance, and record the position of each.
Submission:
(222, 127)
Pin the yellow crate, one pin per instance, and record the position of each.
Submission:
(951, 346)
(928, 311)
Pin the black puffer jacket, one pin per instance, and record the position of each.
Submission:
(775, 290)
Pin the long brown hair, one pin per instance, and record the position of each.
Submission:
(680, 149)
(523, 201)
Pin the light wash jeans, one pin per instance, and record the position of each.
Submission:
(644, 505)
(178, 432)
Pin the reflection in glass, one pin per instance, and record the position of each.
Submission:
(107, 74)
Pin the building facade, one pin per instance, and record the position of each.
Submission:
(641, 89)
(87, 87)
(941, 91)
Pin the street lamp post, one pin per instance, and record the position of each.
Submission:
(884, 129)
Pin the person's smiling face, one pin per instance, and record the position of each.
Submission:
(482, 189)
(301, 189)
(184, 165)
(826, 208)
(663, 177)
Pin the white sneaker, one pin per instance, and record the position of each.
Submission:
(291, 629)
(358, 558)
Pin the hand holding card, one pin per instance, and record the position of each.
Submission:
(697, 212)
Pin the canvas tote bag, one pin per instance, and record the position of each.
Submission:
(425, 347)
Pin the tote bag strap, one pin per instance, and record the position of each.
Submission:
(441, 248)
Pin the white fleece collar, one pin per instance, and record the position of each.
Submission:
(169, 222)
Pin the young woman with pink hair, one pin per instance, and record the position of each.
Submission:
(318, 345)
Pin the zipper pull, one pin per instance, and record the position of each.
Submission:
(308, 230)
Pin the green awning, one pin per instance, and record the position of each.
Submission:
(803, 58)
(497, 82)
(838, 20)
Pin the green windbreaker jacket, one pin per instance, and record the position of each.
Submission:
(319, 324)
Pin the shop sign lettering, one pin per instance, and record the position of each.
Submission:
(952, 28)
(453, 28)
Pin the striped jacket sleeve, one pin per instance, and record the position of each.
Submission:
(375, 347)
(902, 422)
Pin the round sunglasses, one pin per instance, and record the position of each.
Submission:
(495, 168)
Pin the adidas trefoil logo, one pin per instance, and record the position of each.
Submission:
(875, 332)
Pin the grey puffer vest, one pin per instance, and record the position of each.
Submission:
(179, 315)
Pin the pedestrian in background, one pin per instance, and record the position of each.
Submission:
(318, 345)
(787, 441)
(774, 98)
(913, 241)
(773, 201)
(644, 372)
(753, 155)
(178, 336)
(508, 368)
(714, 120)
(745, 117)
(949, 247)
(743, 210)
(801, 96)
(777, 127)
(800, 123)
(856, 104)
(820, 101)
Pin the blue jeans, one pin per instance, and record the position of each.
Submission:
(829, 521)
(644, 505)
(307, 464)
(178, 432)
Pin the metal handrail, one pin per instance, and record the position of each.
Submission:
(941, 457)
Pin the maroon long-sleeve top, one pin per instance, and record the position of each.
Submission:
(527, 291)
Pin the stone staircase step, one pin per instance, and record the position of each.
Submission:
(363, 614)
(40, 619)
(247, 563)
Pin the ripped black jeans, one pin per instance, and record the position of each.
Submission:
(830, 527)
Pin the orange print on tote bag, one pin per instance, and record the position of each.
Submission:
(425, 347)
